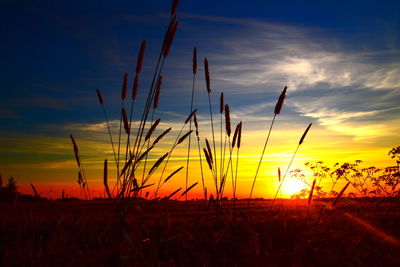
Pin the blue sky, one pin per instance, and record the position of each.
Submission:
(54, 54)
(339, 59)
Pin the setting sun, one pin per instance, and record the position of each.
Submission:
(291, 186)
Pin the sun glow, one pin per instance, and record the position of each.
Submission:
(291, 186)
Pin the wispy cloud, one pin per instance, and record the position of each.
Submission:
(347, 91)
(361, 125)
(255, 53)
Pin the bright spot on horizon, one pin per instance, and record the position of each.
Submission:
(291, 186)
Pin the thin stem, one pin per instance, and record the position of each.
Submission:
(222, 158)
(237, 166)
(201, 169)
(215, 154)
(190, 137)
(262, 155)
(227, 168)
(284, 176)
(109, 132)
(84, 179)
(223, 162)
(130, 130)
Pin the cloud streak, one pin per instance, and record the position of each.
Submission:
(261, 53)
(347, 91)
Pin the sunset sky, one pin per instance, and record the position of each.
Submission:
(339, 59)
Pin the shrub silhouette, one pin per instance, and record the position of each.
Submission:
(9, 191)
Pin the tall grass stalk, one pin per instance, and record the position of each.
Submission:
(311, 193)
(35, 193)
(340, 194)
(101, 101)
(290, 163)
(207, 77)
(277, 111)
(135, 87)
(105, 182)
(123, 97)
(228, 131)
(222, 159)
(194, 69)
(236, 141)
(82, 181)
(199, 151)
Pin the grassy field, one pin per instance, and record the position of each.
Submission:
(169, 233)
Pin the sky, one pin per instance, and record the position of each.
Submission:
(339, 59)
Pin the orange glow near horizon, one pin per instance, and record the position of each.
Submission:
(320, 145)
(63, 177)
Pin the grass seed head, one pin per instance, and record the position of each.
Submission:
(135, 86)
(170, 36)
(76, 151)
(195, 60)
(161, 136)
(189, 188)
(281, 99)
(279, 174)
(196, 125)
(305, 134)
(209, 151)
(174, 7)
(158, 162)
(173, 193)
(158, 89)
(151, 130)
(190, 116)
(74, 143)
(124, 87)
(235, 135)
(172, 174)
(221, 103)
(239, 135)
(126, 122)
(208, 158)
(207, 75)
(100, 97)
(168, 32)
(144, 154)
(139, 63)
(227, 120)
(184, 137)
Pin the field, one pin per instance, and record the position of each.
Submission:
(170, 233)
(151, 146)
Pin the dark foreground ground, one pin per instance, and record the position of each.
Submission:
(95, 233)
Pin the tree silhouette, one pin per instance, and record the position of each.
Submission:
(9, 191)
